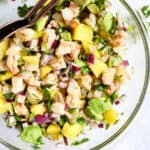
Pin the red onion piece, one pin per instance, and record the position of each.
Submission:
(117, 102)
(124, 29)
(74, 69)
(40, 45)
(101, 125)
(65, 140)
(41, 119)
(125, 63)
(91, 59)
(66, 107)
(45, 59)
(55, 44)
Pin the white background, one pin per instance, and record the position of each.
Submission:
(137, 135)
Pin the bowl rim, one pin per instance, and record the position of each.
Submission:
(143, 32)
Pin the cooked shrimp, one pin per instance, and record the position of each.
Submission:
(108, 76)
(34, 96)
(58, 97)
(17, 84)
(66, 47)
(123, 74)
(26, 34)
(58, 108)
(12, 59)
(49, 37)
(30, 79)
(21, 109)
(51, 78)
(86, 82)
(58, 63)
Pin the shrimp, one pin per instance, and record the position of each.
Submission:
(34, 96)
(59, 97)
(69, 13)
(108, 76)
(71, 48)
(12, 59)
(21, 109)
(26, 34)
(58, 63)
(17, 84)
(86, 82)
(74, 94)
(51, 78)
(30, 79)
(58, 108)
(49, 37)
(123, 74)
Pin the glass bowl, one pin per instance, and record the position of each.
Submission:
(138, 56)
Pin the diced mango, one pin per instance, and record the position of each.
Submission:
(54, 130)
(4, 106)
(90, 47)
(32, 60)
(3, 48)
(45, 70)
(71, 131)
(6, 76)
(111, 116)
(38, 109)
(83, 33)
(98, 67)
(37, 35)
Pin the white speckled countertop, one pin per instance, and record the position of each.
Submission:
(137, 135)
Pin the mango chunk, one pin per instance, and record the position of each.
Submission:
(71, 131)
(98, 67)
(90, 47)
(32, 60)
(6, 76)
(54, 130)
(45, 70)
(3, 48)
(38, 109)
(83, 33)
(111, 116)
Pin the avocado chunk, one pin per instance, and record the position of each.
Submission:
(96, 107)
(32, 134)
(106, 22)
(40, 24)
(6, 76)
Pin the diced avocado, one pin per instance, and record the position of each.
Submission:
(89, 47)
(32, 134)
(96, 107)
(66, 36)
(37, 35)
(106, 22)
(71, 131)
(98, 67)
(3, 108)
(32, 60)
(38, 109)
(3, 48)
(54, 130)
(111, 116)
(45, 70)
(93, 8)
(40, 24)
(6, 76)
(83, 33)
(80, 63)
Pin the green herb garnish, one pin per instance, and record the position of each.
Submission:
(80, 142)
(23, 10)
(146, 11)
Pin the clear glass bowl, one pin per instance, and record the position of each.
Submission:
(138, 56)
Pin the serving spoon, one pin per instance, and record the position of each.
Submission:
(39, 10)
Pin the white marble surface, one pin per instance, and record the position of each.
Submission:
(137, 135)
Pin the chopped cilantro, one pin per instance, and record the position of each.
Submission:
(23, 10)
(80, 142)
(146, 11)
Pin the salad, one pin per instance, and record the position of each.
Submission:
(64, 73)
